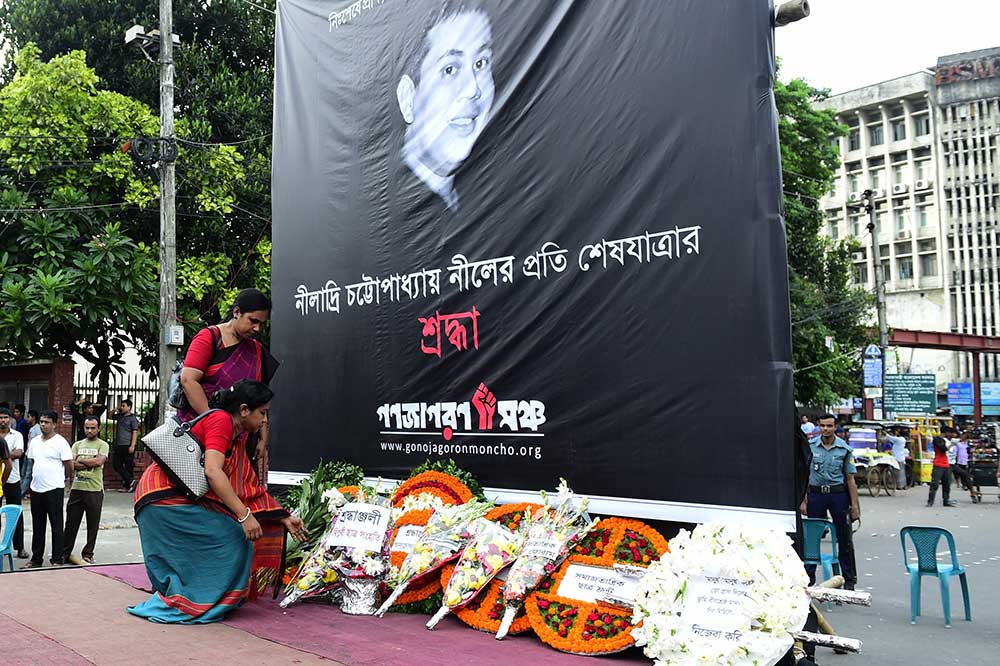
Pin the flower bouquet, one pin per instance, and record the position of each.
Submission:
(485, 611)
(414, 501)
(354, 546)
(552, 532)
(317, 574)
(447, 532)
(492, 548)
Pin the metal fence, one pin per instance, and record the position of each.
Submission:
(140, 389)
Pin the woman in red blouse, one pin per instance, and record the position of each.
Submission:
(219, 356)
(205, 557)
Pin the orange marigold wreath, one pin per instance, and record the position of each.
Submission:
(593, 628)
(444, 486)
(450, 491)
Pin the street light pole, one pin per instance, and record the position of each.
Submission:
(168, 238)
(883, 327)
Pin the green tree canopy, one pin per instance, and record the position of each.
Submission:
(223, 94)
(78, 272)
(824, 302)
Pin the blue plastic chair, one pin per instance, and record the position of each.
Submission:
(9, 515)
(813, 532)
(925, 543)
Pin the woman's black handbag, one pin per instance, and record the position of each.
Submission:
(176, 397)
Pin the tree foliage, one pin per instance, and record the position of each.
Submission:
(78, 270)
(824, 302)
(223, 93)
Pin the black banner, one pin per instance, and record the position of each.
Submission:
(543, 239)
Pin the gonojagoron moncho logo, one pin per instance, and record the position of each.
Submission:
(484, 413)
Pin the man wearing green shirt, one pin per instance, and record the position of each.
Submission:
(87, 492)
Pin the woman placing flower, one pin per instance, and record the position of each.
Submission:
(219, 356)
(205, 557)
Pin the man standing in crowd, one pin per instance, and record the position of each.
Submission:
(898, 441)
(832, 491)
(941, 473)
(17, 421)
(87, 492)
(5, 465)
(807, 425)
(961, 468)
(83, 409)
(52, 469)
(12, 483)
(34, 430)
(126, 434)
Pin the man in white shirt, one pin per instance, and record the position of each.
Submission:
(52, 469)
(12, 485)
(898, 440)
(807, 426)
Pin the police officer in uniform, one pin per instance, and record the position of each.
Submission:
(832, 491)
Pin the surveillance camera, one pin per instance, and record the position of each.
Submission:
(134, 33)
(789, 12)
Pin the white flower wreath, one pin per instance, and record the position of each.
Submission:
(765, 589)
(417, 502)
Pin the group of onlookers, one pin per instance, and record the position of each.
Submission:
(38, 463)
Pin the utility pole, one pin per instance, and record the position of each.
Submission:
(883, 327)
(168, 236)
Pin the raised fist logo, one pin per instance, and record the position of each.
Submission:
(486, 404)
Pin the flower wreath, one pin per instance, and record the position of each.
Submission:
(422, 494)
(443, 486)
(757, 566)
(486, 610)
(593, 628)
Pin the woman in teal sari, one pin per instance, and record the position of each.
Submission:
(206, 558)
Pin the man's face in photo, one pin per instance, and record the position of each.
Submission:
(447, 108)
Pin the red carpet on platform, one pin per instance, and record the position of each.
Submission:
(394, 640)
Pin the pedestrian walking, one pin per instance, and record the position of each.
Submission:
(12, 484)
(126, 436)
(53, 468)
(86, 496)
(941, 474)
(833, 493)
(961, 468)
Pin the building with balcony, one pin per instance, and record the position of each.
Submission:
(926, 144)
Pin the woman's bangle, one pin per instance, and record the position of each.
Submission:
(244, 518)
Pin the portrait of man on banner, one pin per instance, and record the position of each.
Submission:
(445, 94)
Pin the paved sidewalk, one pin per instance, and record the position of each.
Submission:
(117, 540)
(50, 617)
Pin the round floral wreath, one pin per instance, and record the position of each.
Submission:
(775, 600)
(420, 496)
(443, 486)
(589, 628)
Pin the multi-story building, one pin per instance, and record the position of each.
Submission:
(926, 144)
